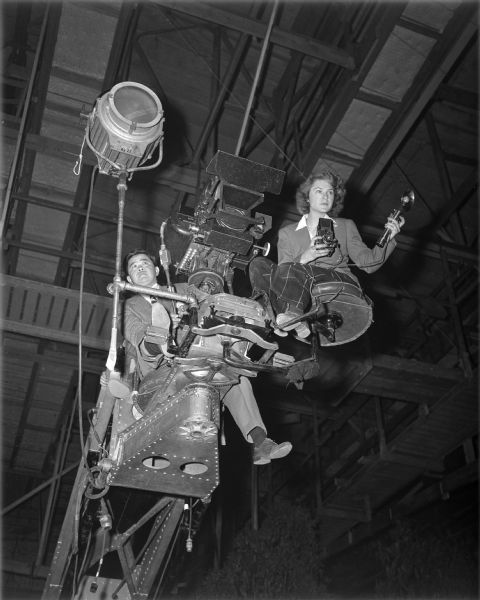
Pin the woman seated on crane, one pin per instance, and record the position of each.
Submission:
(304, 256)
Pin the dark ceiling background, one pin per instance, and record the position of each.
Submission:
(386, 94)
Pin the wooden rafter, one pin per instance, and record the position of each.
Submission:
(457, 35)
(444, 176)
(291, 41)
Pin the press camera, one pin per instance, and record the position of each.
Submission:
(326, 235)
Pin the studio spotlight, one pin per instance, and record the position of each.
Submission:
(124, 129)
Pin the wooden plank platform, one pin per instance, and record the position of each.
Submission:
(52, 312)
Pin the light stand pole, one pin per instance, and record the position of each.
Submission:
(122, 190)
(119, 284)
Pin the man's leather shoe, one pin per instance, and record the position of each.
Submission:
(118, 386)
(269, 450)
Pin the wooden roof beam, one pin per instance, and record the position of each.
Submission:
(296, 42)
(99, 264)
(407, 379)
(29, 397)
(58, 359)
(457, 96)
(102, 217)
(456, 37)
(402, 379)
(444, 176)
(385, 517)
(459, 197)
(341, 93)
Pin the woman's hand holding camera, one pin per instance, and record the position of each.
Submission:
(317, 249)
(321, 248)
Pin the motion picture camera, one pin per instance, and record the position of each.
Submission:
(326, 235)
(222, 230)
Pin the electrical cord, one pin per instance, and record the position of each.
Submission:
(330, 267)
(380, 261)
(80, 316)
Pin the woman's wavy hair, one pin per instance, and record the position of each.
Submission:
(301, 195)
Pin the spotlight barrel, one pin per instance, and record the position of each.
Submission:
(125, 127)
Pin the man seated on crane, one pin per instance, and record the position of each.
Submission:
(142, 311)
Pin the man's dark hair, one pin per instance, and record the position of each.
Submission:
(133, 253)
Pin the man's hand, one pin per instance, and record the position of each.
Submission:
(176, 318)
(156, 335)
(160, 316)
(182, 309)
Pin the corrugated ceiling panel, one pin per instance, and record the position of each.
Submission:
(72, 95)
(71, 51)
(16, 375)
(52, 393)
(48, 192)
(8, 152)
(463, 75)
(398, 63)
(65, 126)
(36, 266)
(47, 418)
(42, 225)
(31, 459)
(35, 440)
(383, 479)
(445, 427)
(433, 14)
(10, 417)
(324, 164)
(457, 128)
(57, 173)
(359, 128)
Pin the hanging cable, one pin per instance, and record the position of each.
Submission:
(80, 316)
(75, 575)
(80, 571)
(94, 584)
